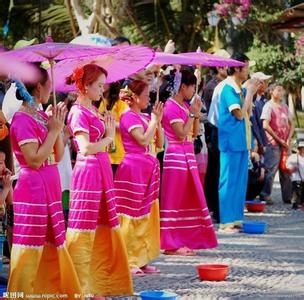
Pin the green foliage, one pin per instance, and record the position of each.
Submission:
(57, 19)
(279, 61)
(265, 12)
(24, 20)
(181, 20)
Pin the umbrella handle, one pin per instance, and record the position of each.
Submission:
(157, 86)
(198, 79)
(51, 61)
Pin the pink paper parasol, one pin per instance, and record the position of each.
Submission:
(162, 58)
(211, 60)
(194, 58)
(18, 70)
(120, 63)
(54, 52)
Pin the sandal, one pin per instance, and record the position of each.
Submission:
(181, 252)
(137, 272)
(229, 230)
(150, 269)
(190, 252)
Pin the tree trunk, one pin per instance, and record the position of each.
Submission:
(292, 108)
(69, 9)
(302, 97)
(86, 25)
(135, 22)
(101, 15)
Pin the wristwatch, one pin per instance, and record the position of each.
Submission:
(191, 115)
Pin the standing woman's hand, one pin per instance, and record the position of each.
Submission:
(56, 120)
(157, 111)
(196, 106)
(110, 125)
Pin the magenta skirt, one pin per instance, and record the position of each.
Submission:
(185, 219)
(38, 216)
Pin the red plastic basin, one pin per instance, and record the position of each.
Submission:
(253, 206)
(212, 272)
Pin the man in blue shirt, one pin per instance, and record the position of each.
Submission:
(234, 132)
(213, 166)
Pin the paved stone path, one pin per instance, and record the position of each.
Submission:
(270, 265)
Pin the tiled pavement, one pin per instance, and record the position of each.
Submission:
(269, 266)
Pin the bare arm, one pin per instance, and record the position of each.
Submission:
(182, 130)
(59, 148)
(160, 140)
(142, 137)
(88, 148)
(246, 109)
(196, 127)
(252, 86)
(36, 155)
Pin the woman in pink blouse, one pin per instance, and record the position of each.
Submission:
(185, 220)
(93, 235)
(40, 263)
(137, 179)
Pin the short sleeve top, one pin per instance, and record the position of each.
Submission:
(26, 129)
(278, 117)
(81, 119)
(231, 131)
(130, 120)
(174, 113)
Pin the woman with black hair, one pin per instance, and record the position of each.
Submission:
(185, 219)
(112, 103)
(40, 263)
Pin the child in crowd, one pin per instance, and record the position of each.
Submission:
(256, 176)
(295, 163)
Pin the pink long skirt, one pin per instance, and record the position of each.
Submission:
(137, 187)
(185, 219)
(93, 235)
(40, 262)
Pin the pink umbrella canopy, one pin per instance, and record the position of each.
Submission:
(195, 58)
(121, 62)
(17, 69)
(211, 60)
(162, 58)
(55, 51)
